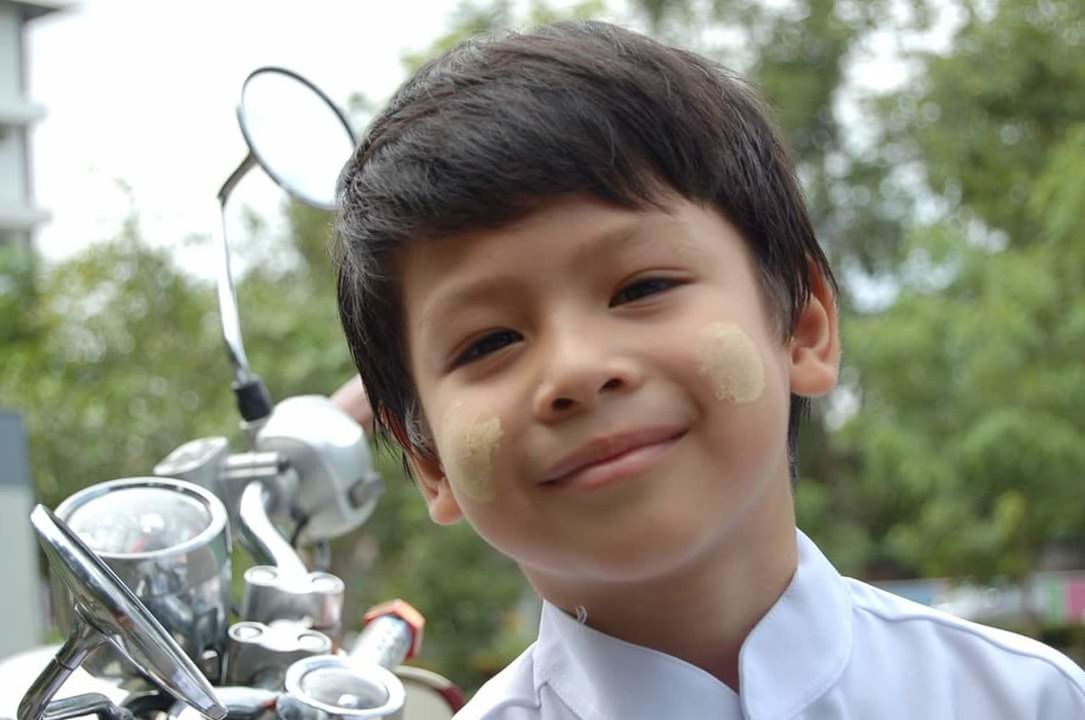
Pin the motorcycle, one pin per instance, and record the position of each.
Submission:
(140, 567)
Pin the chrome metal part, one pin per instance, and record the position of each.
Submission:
(82, 639)
(390, 643)
(169, 542)
(104, 608)
(332, 686)
(242, 703)
(263, 540)
(267, 468)
(94, 704)
(259, 654)
(337, 487)
(315, 599)
(386, 641)
(208, 463)
(198, 461)
(227, 295)
(283, 589)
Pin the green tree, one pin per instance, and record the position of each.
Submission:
(476, 17)
(122, 365)
(19, 290)
(970, 441)
(995, 108)
(965, 454)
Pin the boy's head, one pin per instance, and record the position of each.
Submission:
(575, 244)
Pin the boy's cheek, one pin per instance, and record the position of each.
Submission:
(468, 441)
(730, 363)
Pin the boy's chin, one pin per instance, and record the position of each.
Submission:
(644, 558)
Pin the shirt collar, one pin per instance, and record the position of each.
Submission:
(792, 656)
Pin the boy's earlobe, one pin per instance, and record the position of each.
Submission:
(815, 341)
(435, 488)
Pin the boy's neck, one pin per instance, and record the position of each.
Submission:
(702, 612)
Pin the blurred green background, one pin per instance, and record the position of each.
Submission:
(949, 199)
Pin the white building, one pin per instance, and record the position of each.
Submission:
(19, 216)
(21, 600)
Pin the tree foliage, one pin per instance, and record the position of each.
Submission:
(967, 445)
(969, 440)
(998, 105)
(121, 364)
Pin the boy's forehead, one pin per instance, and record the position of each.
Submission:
(585, 229)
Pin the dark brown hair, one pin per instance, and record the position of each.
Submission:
(500, 125)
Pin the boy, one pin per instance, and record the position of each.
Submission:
(584, 295)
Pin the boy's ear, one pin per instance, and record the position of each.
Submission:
(432, 481)
(815, 342)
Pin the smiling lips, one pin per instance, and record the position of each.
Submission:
(613, 457)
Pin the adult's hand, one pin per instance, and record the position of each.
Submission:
(352, 400)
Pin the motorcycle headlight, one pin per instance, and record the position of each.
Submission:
(169, 542)
(134, 519)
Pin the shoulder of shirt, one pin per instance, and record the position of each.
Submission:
(892, 608)
(509, 695)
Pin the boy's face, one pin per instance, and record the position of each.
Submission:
(607, 390)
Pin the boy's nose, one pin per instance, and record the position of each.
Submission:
(576, 378)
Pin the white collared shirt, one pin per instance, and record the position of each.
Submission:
(830, 647)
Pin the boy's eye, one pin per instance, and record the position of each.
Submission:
(485, 345)
(642, 288)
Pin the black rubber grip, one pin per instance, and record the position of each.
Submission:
(253, 400)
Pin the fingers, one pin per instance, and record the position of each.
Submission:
(351, 399)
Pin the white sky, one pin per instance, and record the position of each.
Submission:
(144, 92)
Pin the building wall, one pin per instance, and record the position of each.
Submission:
(13, 190)
(21, 604)
(11, 53)
(18, 214)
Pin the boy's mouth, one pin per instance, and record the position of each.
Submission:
(611, 455)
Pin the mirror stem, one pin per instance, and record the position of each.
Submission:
(253, 400)
(235, 177)
(227, 299)
(82, 640)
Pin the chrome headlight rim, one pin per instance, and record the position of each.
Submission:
(217, 523)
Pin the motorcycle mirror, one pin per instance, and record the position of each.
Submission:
(302, 140)
(298, 135)
(107, 611)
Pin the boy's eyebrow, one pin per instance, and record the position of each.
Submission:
(435, 313)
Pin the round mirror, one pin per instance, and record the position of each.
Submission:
(104, 603)
(300, 138)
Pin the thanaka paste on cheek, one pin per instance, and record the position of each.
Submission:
(473, 443)
(728, 357)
